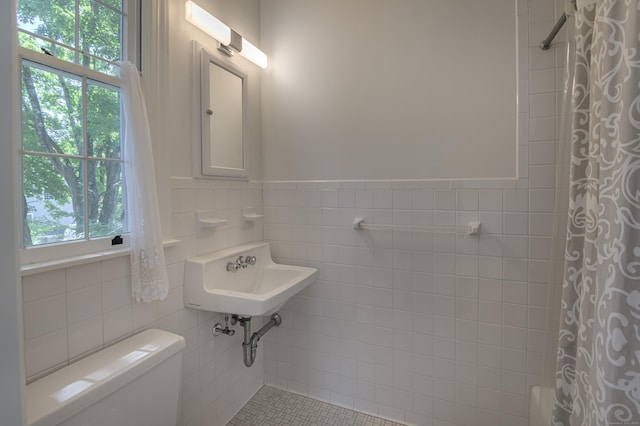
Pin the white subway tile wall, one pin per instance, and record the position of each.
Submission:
(73, 312)
(393, 311)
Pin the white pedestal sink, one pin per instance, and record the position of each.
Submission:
(251, 290)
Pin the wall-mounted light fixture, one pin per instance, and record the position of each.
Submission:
(230, 41)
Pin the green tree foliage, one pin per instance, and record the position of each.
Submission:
(66, 115)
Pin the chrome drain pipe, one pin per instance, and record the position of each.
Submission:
(250, 344)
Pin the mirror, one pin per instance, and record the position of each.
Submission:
(223, 92)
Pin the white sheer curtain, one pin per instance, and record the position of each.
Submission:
(149, 280)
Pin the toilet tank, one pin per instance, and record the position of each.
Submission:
(135, 382)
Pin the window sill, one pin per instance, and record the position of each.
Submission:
(36, 268)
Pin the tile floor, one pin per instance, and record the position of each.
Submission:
(275, 407)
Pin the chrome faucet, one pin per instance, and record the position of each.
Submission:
(241, 262)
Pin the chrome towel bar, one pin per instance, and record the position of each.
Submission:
(473, 228)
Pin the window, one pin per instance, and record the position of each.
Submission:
(72, 167)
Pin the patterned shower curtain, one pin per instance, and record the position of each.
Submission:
(598, 364)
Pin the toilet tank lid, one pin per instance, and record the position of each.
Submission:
(68, 391)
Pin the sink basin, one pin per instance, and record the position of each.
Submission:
(252, 290)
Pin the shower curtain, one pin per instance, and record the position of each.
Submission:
(598, 361)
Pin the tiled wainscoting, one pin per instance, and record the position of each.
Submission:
(72, 312)
(414, 326)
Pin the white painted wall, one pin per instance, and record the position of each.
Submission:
(11, 365)
(375, 89)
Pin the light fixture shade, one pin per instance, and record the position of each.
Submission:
(223, 33)
(207, 22)
(252, 53)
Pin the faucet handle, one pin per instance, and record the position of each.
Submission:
(251, 260)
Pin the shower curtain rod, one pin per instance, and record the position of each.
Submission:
(554, 31)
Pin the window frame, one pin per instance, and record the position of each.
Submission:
(130, 35)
